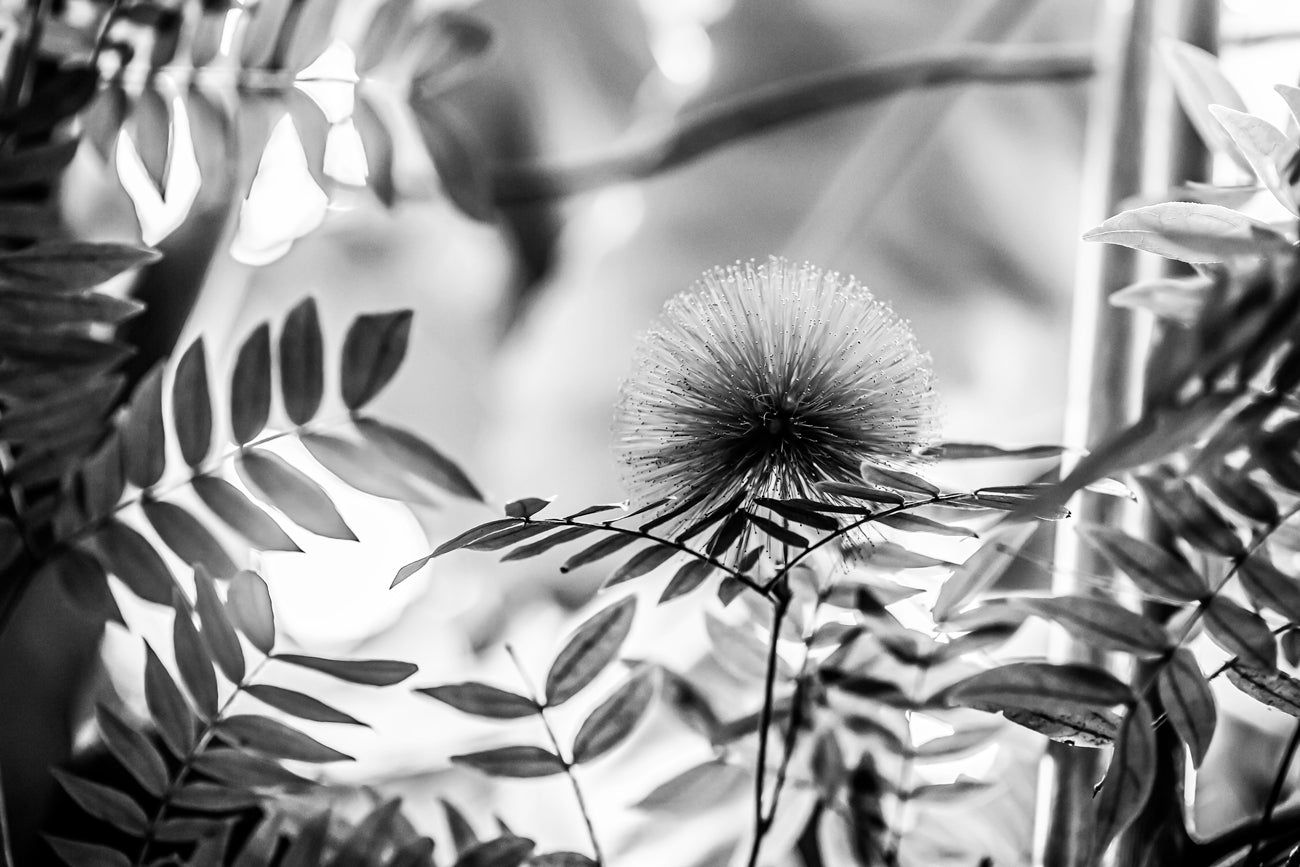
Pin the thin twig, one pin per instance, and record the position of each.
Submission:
(5, 848)
(559, 754)
(1274, 795)
(762, 822)
(786, 102)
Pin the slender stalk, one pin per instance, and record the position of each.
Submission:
(1274, 796)
(786, 102)
(559, 753)
(763, 822)
(5, 848)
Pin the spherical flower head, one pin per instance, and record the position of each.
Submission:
(761, 381)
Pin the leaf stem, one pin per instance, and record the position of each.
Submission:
(559, 753)
(200, 743)
(1274, 796)
(762, 821)
(5, 848)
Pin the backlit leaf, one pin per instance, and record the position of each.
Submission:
(414, 455)
(778, 532)
(248, 602)
(473, 534)
(1199, 84)
(522, 761)
(1188, 702)
(291, 491)
(302, 362)
(1129, 779)
(130, 557)
(372, 352)
(103, 803)
(193, 660)
(275, 739)
(980, 570)
(506, 851)
(1102, 623)
(899, 480)
(77, 854)
(167, 707)
(143, 439)
(917, 524)
(102, 480)
(367, 672)
(1078, 727)
(70, 265)
(361, 468)
(239, 768)
(1272, 688)
(1156, 571)
(299, 704)
(599, 550)
(241, 514)
(192, 405)
(481, 699)
(1241, 632)
(860, 492)
(1264, 146)
(614, 719)
(1269, 587)
(527, 507)
(188, 538)
(592, 647)
(890, 555)
(135, 752)
(1189, 232)
(212, 798)
(698, 787)
(564, 536)
(250, 386)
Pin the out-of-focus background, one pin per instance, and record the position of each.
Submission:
(958, 206)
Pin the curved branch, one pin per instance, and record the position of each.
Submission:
(783, 103)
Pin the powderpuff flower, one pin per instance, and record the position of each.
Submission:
(761, 381)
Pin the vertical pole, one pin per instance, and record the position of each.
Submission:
(1103, 387)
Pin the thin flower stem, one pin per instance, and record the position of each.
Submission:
(5, 848)
(762, 822)
(786, 102)
(200, 743)
(1274, 796)
(559, 753)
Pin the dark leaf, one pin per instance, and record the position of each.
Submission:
(598, 550)
(1156, 571)
(614, 719)
(299, 704)
(725, 511)
(513, 762)
(241, 514)
(589, 650)
(1041, 686)
(409, 569)
(981, 451)
(506, 851)
(390, 25)
(1239, 493)
(48, 419)
(218, 631)
(645, 560)
(417, 456)
(167, 706)
(727, 534)
(890, 555)
(71, 265)
(1102, 623)
(78, 854)
(250, 386)
(1190, 517)
(1271, 688)
(368, 672)
(1268, 587)
(1078, 727)
(193, 660)
(917, 524)
(36, 163)
(372, 352)
(308, 849)
(1240, 632)
(192, 405)
(698, 787)
(82, 579)
(143, 439)
(276, 739)
(186, 536)
(482, 700)
(188, 829)
(213, 798)
(1129, 778)
(473, 534)
(291, 491)
(462, 833)
(686, 579)
(1188, 702)
(562, 859)
(799, 513)
(248, 602)
(505, 538)
(361, 468)
(134, 560)
(101, 481)
(527, 507)
(776, 531)
(302, 362)
(238, 768)
(104, 803)
(564, 536)
(373, 833)
(135, 752)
